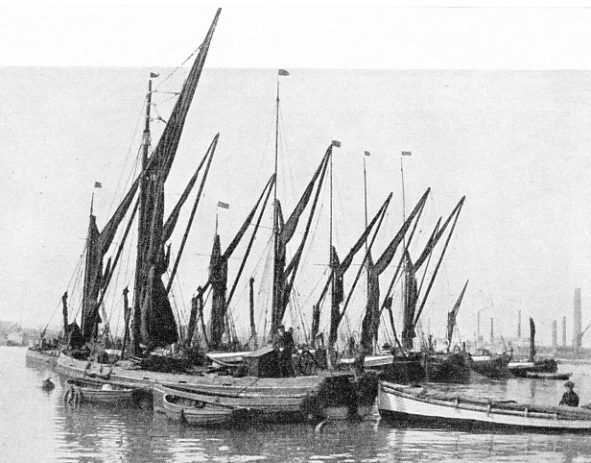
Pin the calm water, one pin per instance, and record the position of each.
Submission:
(35, 426)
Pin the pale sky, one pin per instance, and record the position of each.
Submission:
(494, 103)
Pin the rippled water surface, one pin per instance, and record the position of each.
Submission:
(35, 426)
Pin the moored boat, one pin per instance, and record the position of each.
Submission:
(553, 376)
(291, 399)
(522, 369)
(421, 406)
(100, 392)
(188, 407)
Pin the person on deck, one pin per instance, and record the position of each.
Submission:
(570, 397)
(286, 355)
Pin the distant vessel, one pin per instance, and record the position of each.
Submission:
(522, 368)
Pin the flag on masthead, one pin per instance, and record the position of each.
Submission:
(282, 72)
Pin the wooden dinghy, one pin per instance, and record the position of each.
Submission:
(554, 376)
(186, 407)
(264, 404)
(521, 369)
(101, 392)
(417, 405)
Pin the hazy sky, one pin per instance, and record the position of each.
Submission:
(494, 103)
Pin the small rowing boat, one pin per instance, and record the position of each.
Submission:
(418, 405)
(194, 409)
(554, 376)
(102, 392)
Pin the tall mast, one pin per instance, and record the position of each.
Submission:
(275, 298)
(276, 159)
(403, 197)
(331, 261)
(330, 225)
(365, 191)
(142, 239)
(276, 295)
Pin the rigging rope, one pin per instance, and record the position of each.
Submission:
(178, 67)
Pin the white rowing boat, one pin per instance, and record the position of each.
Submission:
(418, 405)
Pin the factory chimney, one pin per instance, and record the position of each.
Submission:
(577, 320)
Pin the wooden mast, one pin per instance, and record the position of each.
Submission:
(142, 239)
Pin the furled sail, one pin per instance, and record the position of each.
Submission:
(411, 297)
(95, 277)
(218, 268)
(154, 322)
(158, 325)
(218, 278)
(372, 312)
(284, 233)
(338, 270)
(453, 314)
(374, 271)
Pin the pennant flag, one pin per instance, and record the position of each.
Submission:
(282, 72)
(367, 153)
(153, 75)
(406, 153)
(223, 205)
(98, 185)
(336, 143)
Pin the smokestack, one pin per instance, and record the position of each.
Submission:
(554, 334)
(519, 325)
(577, 320)
(492, 331)
(563, 331)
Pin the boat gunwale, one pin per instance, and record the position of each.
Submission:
(463, 402)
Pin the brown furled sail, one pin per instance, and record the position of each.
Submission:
(372, 311)
(158, 325)
(374, 271)
(338, 272)
(283, 236)
(292, 268)
(218, 278)
(218, 268)
(411, 297)
(93, 275)
(154, 322)
(453, 314)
